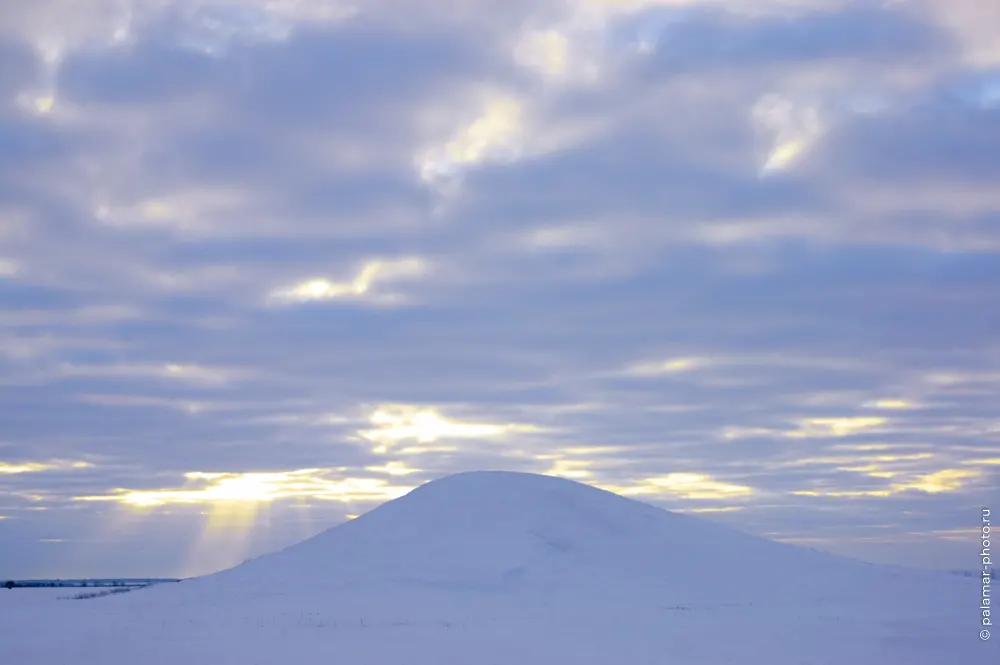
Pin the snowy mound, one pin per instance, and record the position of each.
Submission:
(503, 568)
(503, 532)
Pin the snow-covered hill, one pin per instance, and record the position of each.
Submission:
(497, 568)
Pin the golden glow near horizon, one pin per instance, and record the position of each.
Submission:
(40, 467)
(841, 461)
(686, 486)
(961, 535)
(235, 503)
(945, 480)
(257, 488)
(572, 469)
(882, 466)
(393, 469)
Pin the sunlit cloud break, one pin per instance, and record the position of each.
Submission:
(41, 99)
(493, 135)
(892, 405)
(263, 487)
(395, 423)
(672, 366)
(938, 482)
(835, 427)
(7, 468)
(686, 486)
(788, 128)
(363, 284)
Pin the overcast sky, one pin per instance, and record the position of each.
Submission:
(265, 264)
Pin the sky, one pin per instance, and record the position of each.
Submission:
(267, 264)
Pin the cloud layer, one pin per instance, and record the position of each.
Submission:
(266, 264)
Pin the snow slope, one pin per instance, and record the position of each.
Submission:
(497, 568)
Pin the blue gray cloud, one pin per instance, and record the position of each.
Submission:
(264, 266)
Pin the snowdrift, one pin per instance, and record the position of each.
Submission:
(497, 568)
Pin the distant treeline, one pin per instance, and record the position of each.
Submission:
(140, 582)
(87, 595)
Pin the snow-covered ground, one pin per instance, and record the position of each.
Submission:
(495, 568)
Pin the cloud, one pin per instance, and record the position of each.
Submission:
(822, 427)
(492, 135)
(372, 273)
(945, 480)
(40, 467)
(265, 255)
(184, 373)
(971, 22)
(688, 486)
(395, 423)
(252, 488)
(788, 129)
(892, 404)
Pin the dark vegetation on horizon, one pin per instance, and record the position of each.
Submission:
(117, 583)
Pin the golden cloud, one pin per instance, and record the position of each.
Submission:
(213, 488)
(686, 486)
(40, 467)
(395, 423)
